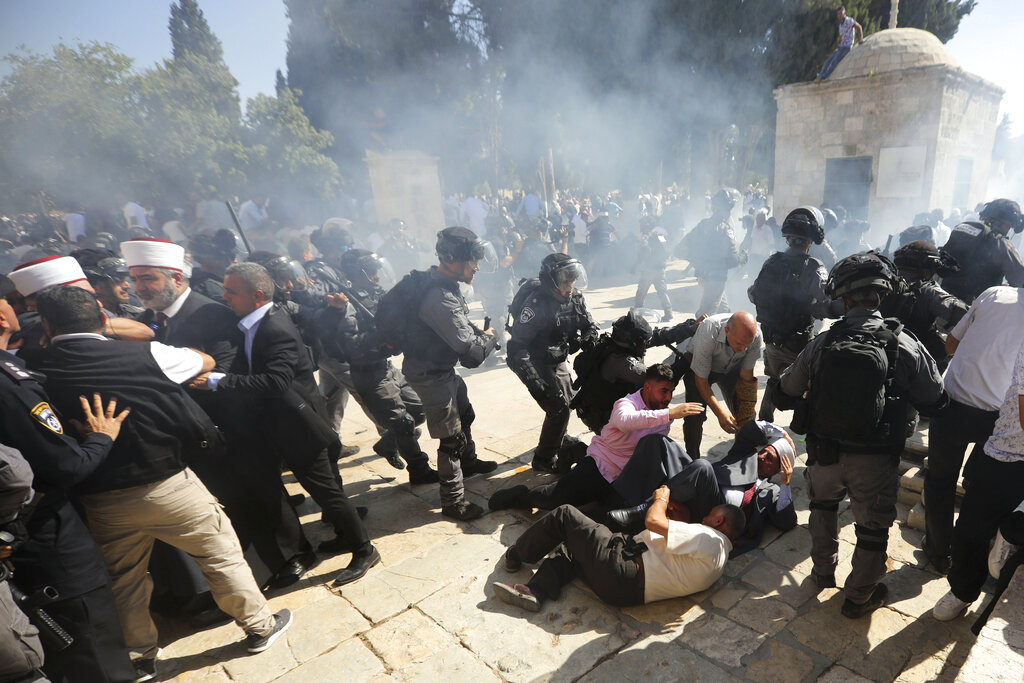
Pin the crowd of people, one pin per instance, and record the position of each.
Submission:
(157, 379)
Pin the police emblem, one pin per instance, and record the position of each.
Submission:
(527, 315)
(45, 416)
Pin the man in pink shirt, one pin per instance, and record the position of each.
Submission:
(640, 414)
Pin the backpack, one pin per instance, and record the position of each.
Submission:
(398, 308)
(594, 396)
(973, 247)
(781, 306)
(851, 382)
(527, 288)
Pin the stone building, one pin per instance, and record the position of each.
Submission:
(897, 129)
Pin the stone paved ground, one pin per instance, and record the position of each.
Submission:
(428, 611)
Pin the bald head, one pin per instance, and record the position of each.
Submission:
(740, 331)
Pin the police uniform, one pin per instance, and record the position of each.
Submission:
(922, 307)
(442, 335)
(653, 257)
(711, 250)
(867, 471)
(382, 386)
(495, 289)
(207, 284)
(59, 551)
(543, 335)
(985, 256)
(787, 317)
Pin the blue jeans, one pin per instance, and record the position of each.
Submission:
(833, 61)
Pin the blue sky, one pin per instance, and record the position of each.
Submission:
(254, 32)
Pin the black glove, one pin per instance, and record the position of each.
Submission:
(13, 534)
(674, 334)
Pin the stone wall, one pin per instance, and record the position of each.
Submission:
(948, 112)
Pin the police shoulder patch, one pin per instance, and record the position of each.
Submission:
(527, 315)
(45, 416)
(14, 371)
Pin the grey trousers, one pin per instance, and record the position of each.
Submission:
(448, 412)
(776, 360)
(871, 482)
(656, 278)
(713, 299)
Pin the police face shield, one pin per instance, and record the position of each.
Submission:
(487, 259)
(569, 275)
(377, 270)
(288, 274)
(114, 269)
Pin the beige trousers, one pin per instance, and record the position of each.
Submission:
(180, 512)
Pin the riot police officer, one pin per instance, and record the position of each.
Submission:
(653, 257)
(534, 248)
(108, 274)
(440, 336)
(858, 378)
(399, 248)
(614, 366)
(919, 302)
(711, 249)
(984, 252)
(495, 289)
(382, 387)
(550, 321)
(789, 293)
(211, 256)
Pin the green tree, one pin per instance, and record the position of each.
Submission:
(941, 17)
(286, 150)
(196, 49)
(68, 125)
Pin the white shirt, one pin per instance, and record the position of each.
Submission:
(75, 224)
(176, 305)
(1007, 440)
(990, 337)
(251, 215)
(135, 215)
(473, 212)
(178, 364)
(688, 561)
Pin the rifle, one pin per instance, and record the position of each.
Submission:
(50, 632)
(238, 226)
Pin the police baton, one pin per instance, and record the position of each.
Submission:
(238, 226)
(487, 326)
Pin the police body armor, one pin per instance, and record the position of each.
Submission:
(561, 338)
(595, 396)
(782, 309)
(423, 342)
(907, 305)
(973, 245)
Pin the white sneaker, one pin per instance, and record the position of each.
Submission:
(1000, 553)
(949, 607)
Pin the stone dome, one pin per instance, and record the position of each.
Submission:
(894, 49)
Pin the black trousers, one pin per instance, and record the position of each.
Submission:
(320, 480)
(581, 485)
(655, 460)
(585, 549)
(693, 425)
(394, 405)
(950, 433)
(99, 653)
(994, 493)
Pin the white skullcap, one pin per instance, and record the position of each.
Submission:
(33, 276)
(784, 449)
(153, 253)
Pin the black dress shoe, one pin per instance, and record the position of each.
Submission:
(358, 567)
(293, 570)
(507, 498)
(627, 520)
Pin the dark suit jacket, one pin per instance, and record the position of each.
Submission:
(280, 394)
(201, 324)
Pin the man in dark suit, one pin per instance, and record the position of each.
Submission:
(251, 490)
(273, 380)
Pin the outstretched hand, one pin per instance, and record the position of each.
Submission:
(98, 420)
(685, 410)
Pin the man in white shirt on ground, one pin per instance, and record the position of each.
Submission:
(669, 559)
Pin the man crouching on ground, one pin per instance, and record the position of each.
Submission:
(669, 559)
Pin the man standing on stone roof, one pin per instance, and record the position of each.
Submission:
(847, 26)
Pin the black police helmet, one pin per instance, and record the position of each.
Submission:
(458, 244)
(1004, 210)
(632, 331)
(559, 269)
(805, 222)
(868, 270)
(917, 233)
(219, 246)
(358, 264)
(831, 220)
(725, 199)
(925, 257)
(333, 234)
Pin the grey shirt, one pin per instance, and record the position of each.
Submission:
(712, 353)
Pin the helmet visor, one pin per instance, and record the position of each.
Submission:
(378, 270)
(571, 272)
(486, 257)
(288, 274)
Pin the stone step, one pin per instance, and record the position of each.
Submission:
(908, 497)
(915, 518)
